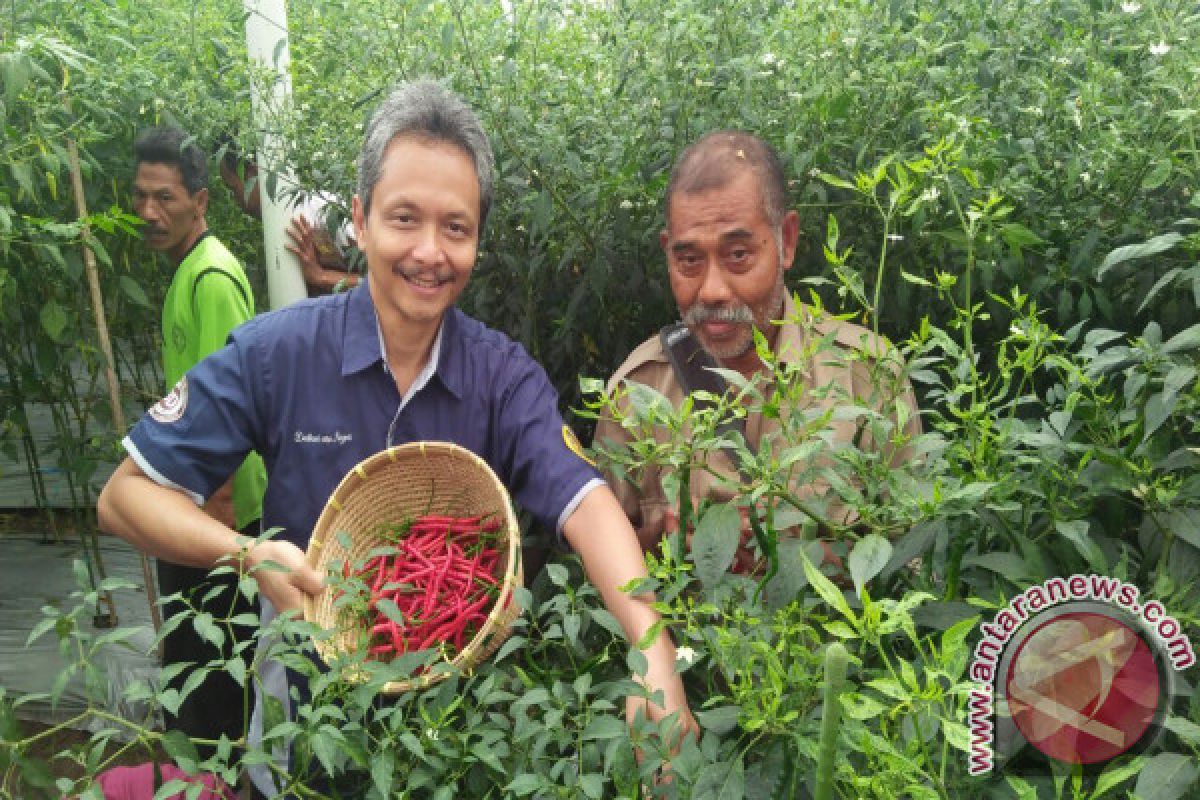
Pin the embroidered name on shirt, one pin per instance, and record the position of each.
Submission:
(337, 437)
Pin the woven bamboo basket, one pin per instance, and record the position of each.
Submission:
(400, 483)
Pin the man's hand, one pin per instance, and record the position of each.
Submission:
(674, 700)
(286, 584)
(322, 265)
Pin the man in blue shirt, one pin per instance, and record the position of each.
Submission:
(318, 386)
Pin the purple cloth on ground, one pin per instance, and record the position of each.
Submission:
(137, 783)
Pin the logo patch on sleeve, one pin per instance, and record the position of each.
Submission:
(572, 443)
(171, 407)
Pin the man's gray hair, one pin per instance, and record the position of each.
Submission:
(427, 110)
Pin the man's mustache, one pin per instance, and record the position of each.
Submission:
(699, 313)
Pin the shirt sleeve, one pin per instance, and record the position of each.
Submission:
(219, 304)
(547, 470)
(197, 436)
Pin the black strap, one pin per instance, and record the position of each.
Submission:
(695, 371)
(211, 270)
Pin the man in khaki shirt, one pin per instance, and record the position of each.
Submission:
(729, 238)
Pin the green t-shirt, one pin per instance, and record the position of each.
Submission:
(209, 297)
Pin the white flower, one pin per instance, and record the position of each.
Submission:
(931, 194)
(895, 237)
(768, 59)
(814, 173)
(1160, 49)
(431, 734)
(626, 204)
(685, 654)
(1131, 8)
(1086, 177)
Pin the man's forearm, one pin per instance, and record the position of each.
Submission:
(163, 522)
(611, 561)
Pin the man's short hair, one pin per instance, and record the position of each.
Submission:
(172, 146)
(428, 110)
(716, 158)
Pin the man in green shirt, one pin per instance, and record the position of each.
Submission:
(209, 296)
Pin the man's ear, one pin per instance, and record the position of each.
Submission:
(201, 200)
(791, 237)
(358, 217)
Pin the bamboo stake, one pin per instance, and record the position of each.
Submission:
(110, 370)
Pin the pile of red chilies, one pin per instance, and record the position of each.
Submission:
(442, 577)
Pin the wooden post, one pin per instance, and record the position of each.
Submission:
(110, 371)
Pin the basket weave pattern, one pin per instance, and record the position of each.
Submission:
(402, 483)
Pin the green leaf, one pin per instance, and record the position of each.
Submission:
(1158, 175)
(236, 668)
(326, 745)
(1114, 775)
(1149, 247)
(721, 781)
(867, 559)
(592, 786)
(1185, 729)
(1076, 532)
(16, 69)
(715, 542)
(133, 291)
(383, 769)
(1184, 523)
(790, 579)
(954, 649)
(557, 574)
(834, 180)
(604, 728)
(524, 784)
(763, 779)
(1022, 787)
(1187, 339)
(208, 629)
(1166, 776)
(1158, 286)
(1157, 412)
(828, 592)
(720, 720)
(54, 320)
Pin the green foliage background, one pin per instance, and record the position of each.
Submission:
(1013, 186)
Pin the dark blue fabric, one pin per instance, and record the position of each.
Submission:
(308, 388)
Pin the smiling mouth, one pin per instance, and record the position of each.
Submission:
(420, 282)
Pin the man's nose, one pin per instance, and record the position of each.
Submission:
(147, 211)
(714, 289)
(428, 247)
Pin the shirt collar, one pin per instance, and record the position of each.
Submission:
(360, 344)
(363, 341)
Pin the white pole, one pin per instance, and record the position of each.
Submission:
(267, 43)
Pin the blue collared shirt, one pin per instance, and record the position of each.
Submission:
(308, 387)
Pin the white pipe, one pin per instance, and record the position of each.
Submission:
(267, 43)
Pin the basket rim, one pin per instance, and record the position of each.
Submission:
(505, 609)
